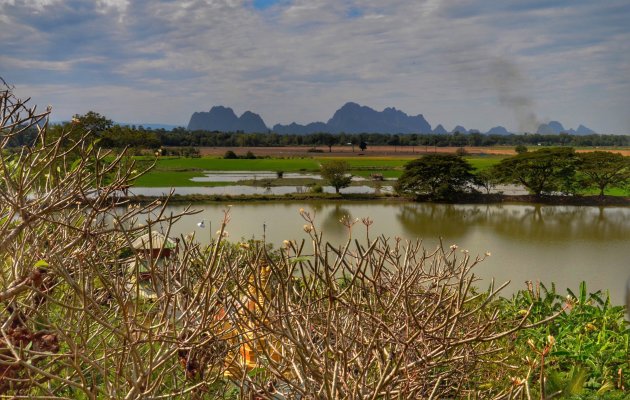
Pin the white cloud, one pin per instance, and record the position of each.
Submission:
(301, 60)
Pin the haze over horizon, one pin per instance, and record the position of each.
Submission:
(465, 62)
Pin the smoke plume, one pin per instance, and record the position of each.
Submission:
(510, 85)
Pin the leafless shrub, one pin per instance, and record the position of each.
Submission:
(384, 319)
(84, 313)
(95, 304)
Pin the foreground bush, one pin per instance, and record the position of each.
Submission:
(72, 322)
(583, 353)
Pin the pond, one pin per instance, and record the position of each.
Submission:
(236, 176)
(561, 244)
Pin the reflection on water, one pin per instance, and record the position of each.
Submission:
(535, 223)
(563, 244)
(235, 176)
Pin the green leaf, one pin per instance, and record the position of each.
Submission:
(75, 164)
(582, 297)
(576, 385)
(606, 387)
(42, 264)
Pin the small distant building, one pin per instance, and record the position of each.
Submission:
(152, 250)
(155, 245)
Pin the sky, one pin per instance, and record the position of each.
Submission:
(475, 63)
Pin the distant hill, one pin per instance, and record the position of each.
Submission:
(555, 127)
(440, 130)
(582, 130)
(351, 118)
(498, 130)
(223, 119)
(298, 129)
(354, 118)
(459, 129)
(251, 123)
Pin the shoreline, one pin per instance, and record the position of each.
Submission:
(465, 198)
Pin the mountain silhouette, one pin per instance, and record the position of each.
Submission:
(223, 119)
(555, 127)
(440, 130)
(498, 130)
(351, 118)
(354, 118)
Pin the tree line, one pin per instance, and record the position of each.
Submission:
(112, 135)
(182, 137)
(548, 171)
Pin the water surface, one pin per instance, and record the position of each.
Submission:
(563, 244)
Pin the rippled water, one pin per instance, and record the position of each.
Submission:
(235, 176)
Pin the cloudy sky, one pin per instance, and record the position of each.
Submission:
(477, 63)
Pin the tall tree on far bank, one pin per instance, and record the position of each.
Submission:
(93, 122)
(602, 169)
(437, 175)
(336, 173)
(330, 140)
(540, 172)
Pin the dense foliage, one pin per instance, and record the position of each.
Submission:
(602, 169)
(336, 173)
(182, 137)
(440, 176)
(547, 171)
(584, 353)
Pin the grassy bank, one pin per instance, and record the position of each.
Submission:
(479, 198)
(203, 198)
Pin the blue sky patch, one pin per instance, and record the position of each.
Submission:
(354, 12)
(263, 4)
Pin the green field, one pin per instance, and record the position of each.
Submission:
(176, 171)
(173, 171)
(481, 163)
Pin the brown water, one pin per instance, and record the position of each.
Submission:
(562, 244)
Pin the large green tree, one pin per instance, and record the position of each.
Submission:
(93, 122)
(602, 169)
(541, 172)
(336, 173)
(436, 175)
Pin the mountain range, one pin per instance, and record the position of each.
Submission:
(555, 127)
(350, 118)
